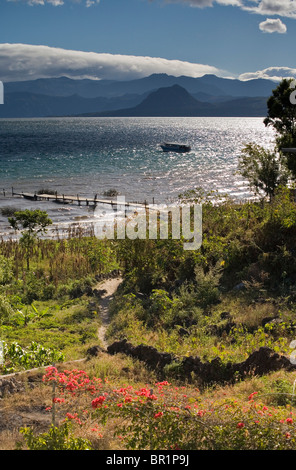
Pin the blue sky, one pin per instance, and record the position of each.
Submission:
(131, 38)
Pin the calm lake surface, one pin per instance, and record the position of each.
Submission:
(88, 156)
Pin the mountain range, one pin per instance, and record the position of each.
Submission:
(156, 95)
(176, 101)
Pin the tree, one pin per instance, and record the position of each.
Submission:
(263, 169)
(282, 117)
(32, 224)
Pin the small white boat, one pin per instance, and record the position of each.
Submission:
(181, 148)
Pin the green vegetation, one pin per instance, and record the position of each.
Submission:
(282, 117)
(267, 170)
(221, 302)
(51, 302)
(32, 223)
(57, 438)
(263, 169)
(228, 298)
(225, 294)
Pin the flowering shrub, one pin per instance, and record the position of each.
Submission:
(169, 417)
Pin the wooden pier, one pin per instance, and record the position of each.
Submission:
(66, 199)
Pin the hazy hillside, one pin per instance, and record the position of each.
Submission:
(176, 101)
(210, 84)
(206, 96)
(26, 104)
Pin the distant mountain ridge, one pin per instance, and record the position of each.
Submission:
(166, 101)
(176, 101)
(26, 104)
(210, 84)
(64, 96)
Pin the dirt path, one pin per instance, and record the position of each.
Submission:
(109, 286)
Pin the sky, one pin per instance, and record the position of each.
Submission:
(127, 39)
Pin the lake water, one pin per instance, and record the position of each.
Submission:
(88, 156)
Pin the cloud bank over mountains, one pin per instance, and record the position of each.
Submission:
(28, 62)
(270, 73)
(19, 62)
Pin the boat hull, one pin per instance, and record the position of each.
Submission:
(180, 148)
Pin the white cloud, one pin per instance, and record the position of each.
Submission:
(56, 3)
(206, 3)
(194, 3)
(270, 73)
(273, 26)
(28, 62)
(286, 8)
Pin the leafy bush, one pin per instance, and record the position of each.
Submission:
(35, 355)
(6, 271)
(6, 310)
(8, 211)
(57, 438)
(207, 292)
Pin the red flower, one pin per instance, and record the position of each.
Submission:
(152, 397)
(240, 425)
(158, 415)
(289, 420)
(58, 400)
(252, 394)
(98, 401)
